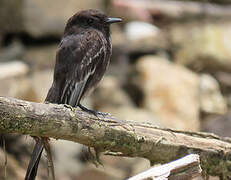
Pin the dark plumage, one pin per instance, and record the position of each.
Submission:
(81, 61)
(82, 58)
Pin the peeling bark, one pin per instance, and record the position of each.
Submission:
(185, 168)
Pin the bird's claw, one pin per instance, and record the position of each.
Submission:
(102, 114)
(68, 106)
(95, 113)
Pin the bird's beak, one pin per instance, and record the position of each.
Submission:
(113, 20)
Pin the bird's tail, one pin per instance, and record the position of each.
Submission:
(32, 169)
(34, 161)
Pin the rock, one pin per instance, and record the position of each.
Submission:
(138, 30)
(211, 99)
(11, 16)
(14, 170)
(224, 79)
(218, 124)
(41, 18)
(93, 173)
(144, 37)
(41, 57)
(32, 88)
(110, 94)
(17, 146)
(124, 167)
(207, 48)
(171, 92)
(40, 83)
(140, 165)
(17, 87)
(134, 114)
(117, 35)
(111, 98)
(66, 151)
(13, 69)
(15, 50)
(114, 168)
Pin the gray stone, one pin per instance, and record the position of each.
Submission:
(13, 51)
(14, 170)
(144, 37)
(44, 18)
(111, 98)
(11, 16)
(207, 48)
(17, 87)
(40, 18)
(13, 69)
(32, 88)
(66, 151)
(218, 124)
(138, 30)
(211, 99)
(41, 57)
(110, 94)
(171, 92)
(40, 83)
(92, 173)
(134, 114)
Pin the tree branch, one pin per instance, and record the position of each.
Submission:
(114, 136)
(187, 167)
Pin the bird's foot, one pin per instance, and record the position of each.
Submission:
(68, 106)
(94, 112)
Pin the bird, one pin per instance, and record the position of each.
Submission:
(82, 58)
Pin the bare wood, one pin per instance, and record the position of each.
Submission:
(185, 168)
(114, 136)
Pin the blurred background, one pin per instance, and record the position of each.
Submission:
(171, 66)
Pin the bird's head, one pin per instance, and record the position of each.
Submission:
(90, 19)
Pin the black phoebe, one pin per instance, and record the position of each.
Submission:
(81, 61)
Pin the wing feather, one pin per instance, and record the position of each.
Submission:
(82, 57)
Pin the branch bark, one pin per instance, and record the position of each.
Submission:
(114, 136)
(185, 168)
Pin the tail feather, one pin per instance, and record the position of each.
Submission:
(34, 162)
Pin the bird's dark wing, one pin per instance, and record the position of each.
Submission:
(34, 161)
(81, 54)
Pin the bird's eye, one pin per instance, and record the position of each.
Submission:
(89, 21)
